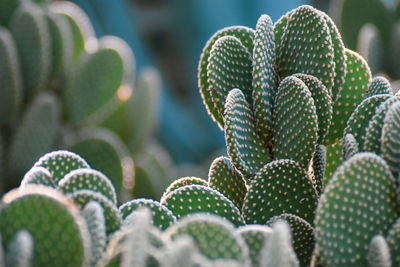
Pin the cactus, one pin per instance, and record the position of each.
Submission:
(20, 250)
(378, 252)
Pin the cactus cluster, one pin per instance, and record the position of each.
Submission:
(374, 33)
(294, 104)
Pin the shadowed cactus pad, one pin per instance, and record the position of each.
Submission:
(302, 235)
(59, 163)
(89, 179)
(49, 218)
(378, 86)
(255, 236)
(162, 216)
(390, 138)
(282, 186)
(197, 198)
(224, 178)
(393, 240)
(295, 122)
(215, 237)
(245, 147)
(359, 202)
(215, 105)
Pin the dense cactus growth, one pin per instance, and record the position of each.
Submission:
(294, 104)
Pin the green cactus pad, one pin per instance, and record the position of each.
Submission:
(182, 182)
(282, 186)
(105, 152)
(95, 83)
(278, 250)
(162, 216)
(31, 35)
(350, 146)
(38, 175)
(88, 179)
(264, 76)
(215, 237)
(339, 55)
(20, 250)
(198, 198)
(378, 253)
(230, 66)
(373, 137)
(357, 78)
(246, 37)
(358, 122)
(245, 147)
(61, 162)
(224, 178)
(334, 158)
(322, 101)
(255, 236)
(306, 26)
(40, 123)
(111, 213)
(79, 23)
(318, 165)
(359, 202)
(10, 76)
(302, 235)
(94, 217)
(390, 138)
(295, 122)
(279, 28)
(59, 233)
(393, 240)
(379, 85)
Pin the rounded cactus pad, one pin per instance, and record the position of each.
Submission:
(88, 179)
(378, 86)
(10, 76)
(359, 202)
(59, 233)
(390, 138)
(264, 76)
(302, 235)
(322, 101)
(224, 178)
(198, 198)
(215, 237)
(111, 213)
(255, 235)
(230, 66)
(393, 240)
(351, 93)
(295, 54)
(295, 122)
(20, 250)
(282, 186)
(215, 108)
(162, 216)
(358, 122)
(182, 182)
(245, 147)
(318, 167)
(61, 162)
(38, 175)
(373, 137)
(29, 29)
(350, 146)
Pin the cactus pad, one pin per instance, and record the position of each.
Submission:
(88, 179)
(359, 202)
(224, 178)
(378, 252)
(379, 85)
(295, 122)
(245, 147)
(390, 138)
(38, 175)
(318, 165)
(198, 198)
(50, 219)
(393, 240)
(282, 186)
(162, 216)
(182, 182)
(206, 230)
(350, 146)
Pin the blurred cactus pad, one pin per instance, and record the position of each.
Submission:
(311, 175)
(63, 88)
